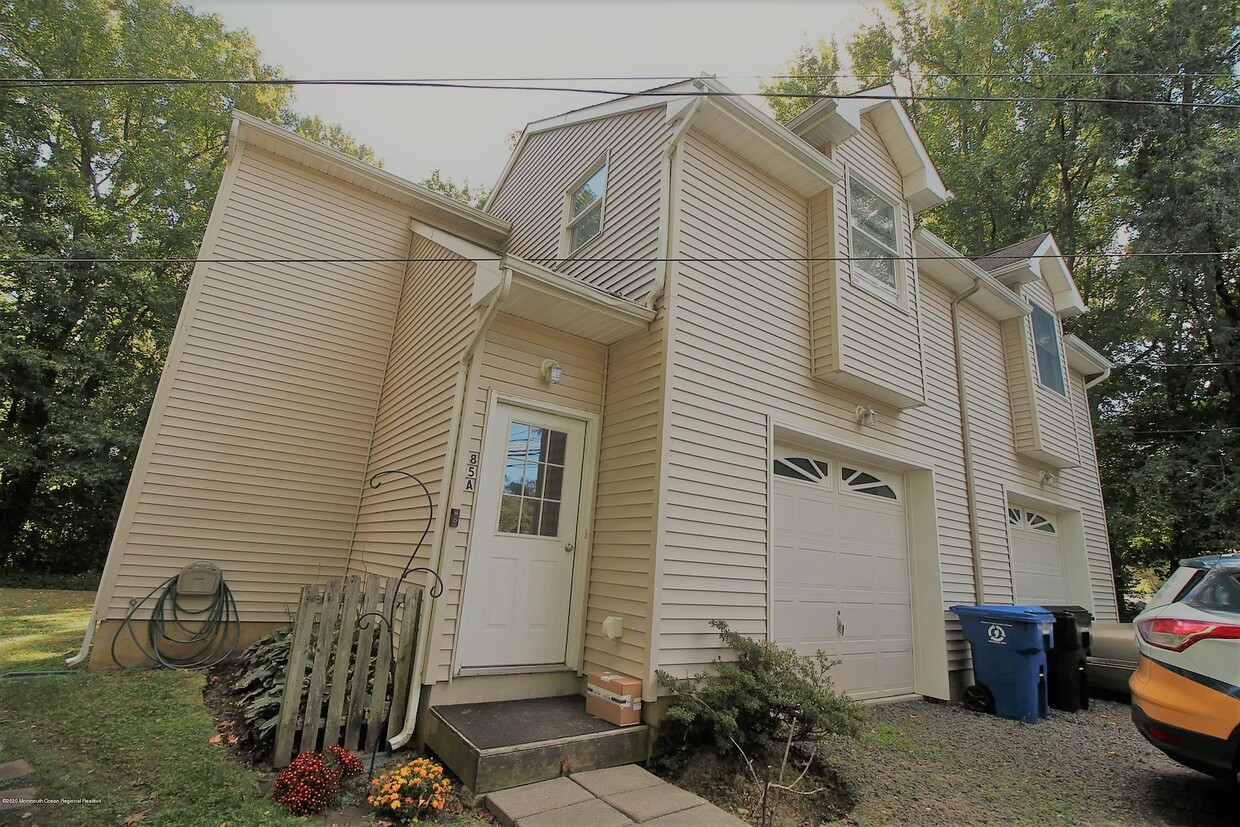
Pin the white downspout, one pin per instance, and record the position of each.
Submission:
(1102, 377)
(665, 205)
(422, 655)
(970, 487)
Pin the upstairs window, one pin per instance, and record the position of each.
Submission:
(585, 206)
(875, 235)
(1046, 347)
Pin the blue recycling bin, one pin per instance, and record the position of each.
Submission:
(1009, 646)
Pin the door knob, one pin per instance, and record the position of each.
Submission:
(568, 548)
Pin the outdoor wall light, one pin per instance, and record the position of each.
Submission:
(1048, 478)
(551, 372)
(866, 417)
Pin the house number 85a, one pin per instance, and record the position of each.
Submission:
(471, 472)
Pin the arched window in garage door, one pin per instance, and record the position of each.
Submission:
(803, 469)
(863, 482)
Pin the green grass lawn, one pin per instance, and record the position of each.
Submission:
(136, 741)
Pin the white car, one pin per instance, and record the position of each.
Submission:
(1186, 690)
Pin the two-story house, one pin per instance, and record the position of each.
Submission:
(688, 364)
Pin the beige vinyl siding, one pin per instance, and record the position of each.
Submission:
(1085, 485)
(742, 353)
(532, 198)
(622, 552)
(1056, 425)
(1001, 471)
(256, 450)
(878, 344)
(824, 319)
(1020, 382)
(993, 436)
(509, 361)
(433, 325)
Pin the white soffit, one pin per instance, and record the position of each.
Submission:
(923, 188)
(750, 133)
(1084, 359)
(950, 268)
(247, 129)
(824, 123)
(544, 296)
(569, 305)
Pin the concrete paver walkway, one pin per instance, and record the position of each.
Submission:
(613, 797)
(20, 797)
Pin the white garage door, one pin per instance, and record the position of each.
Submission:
(1037, 557)
(841, 573)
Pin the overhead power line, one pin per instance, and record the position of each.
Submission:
(18, 83)
(591, 259)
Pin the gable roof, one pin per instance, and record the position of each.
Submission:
(1033, 258)
(724, 116)
(835, 120)
(1020, 251)
(461, 218)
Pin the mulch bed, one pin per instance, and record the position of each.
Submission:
(727, 782)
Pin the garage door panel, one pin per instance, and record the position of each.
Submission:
(1039, 573)
(841, 549)
(894, 621)
(897, 670)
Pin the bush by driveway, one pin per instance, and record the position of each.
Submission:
(929, 764)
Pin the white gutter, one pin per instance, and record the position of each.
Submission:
(1102, 377)
(665, 204)
(422, 656)
(970, 486)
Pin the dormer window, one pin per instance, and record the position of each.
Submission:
(585, 207)
(874, 230)
(1046, 347)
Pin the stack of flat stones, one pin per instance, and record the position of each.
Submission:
(14, 798)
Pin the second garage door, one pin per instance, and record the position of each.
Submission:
(1038, 569)
(841, 572)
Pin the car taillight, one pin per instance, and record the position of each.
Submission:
(1177, 634)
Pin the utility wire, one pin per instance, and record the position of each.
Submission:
(649, 93)
(592, 259)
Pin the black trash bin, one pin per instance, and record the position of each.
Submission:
(1067, 679)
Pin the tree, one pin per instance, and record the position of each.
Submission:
(475, 195)
(91, 173)
(1024, 154)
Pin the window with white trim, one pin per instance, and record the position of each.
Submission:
(864, 482)
(585, 207)
(1046, 349)
(874, 235)
(802, 469)
(1032, 520)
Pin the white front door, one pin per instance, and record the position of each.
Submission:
(519, 575)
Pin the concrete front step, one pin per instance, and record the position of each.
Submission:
(497, 746)
(613, 797)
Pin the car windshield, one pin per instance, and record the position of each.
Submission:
(1175, 586)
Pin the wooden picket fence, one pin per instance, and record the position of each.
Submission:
(341, 645)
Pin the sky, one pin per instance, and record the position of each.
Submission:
(465, 133)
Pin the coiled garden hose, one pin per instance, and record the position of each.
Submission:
(215, 637)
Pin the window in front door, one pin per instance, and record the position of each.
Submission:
(533, 481)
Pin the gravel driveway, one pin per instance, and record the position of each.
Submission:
(923, 763)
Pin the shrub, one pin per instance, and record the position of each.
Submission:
(754, 703)
(411, 791)
(313, 780)
(259, 689)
